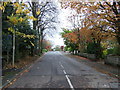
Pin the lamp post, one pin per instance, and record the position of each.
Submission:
(13, 61)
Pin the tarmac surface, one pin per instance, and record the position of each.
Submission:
(57, 70)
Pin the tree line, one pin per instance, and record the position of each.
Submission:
(96, 28)
(24, 26)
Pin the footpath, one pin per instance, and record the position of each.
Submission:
(11, 75)
(99, 66)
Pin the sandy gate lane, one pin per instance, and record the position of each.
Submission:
(56, 70)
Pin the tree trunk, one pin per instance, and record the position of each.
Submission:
(34, 25)
(0, 39)
(39, 41)
(118, 33)
(99, 50)
(41, 44)
(32, 50)
(7, 56)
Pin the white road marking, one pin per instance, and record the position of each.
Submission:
(62, 66)
(71, 86)
(68, 80)
(64, 72)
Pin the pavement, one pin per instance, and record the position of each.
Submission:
(57, 70)
(99, 65)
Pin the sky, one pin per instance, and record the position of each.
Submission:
(64, 23)
(56, 38)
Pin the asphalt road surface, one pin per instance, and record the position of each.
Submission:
(56, 70)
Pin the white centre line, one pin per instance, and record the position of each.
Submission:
(64, 72)
(68, 80)
(71, 86)
(62, 66)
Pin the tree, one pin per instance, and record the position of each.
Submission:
(13, 16)
(46, 19)
(99, 20)
(112, 15)
(47, 45)
(34, 7)
(70, 39)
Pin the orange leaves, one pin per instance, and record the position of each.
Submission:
(94, 7)
(97, 20)
(72, 36)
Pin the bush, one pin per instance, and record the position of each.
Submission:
(105, 52)
(110, 51)
(116, 50)
(91, 48)
(45, 50)
(95, 48)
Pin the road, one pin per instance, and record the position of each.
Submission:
(56, 70)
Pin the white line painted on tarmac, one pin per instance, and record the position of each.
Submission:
(68, 80)
(62, 66)
(64, 72)
(71, 86)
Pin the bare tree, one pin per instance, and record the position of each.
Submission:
(34, 7)
(47, 20)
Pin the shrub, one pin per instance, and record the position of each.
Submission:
(116, 50)
(45, 50)
(110, 51)
(94, 48)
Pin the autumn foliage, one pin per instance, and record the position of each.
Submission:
(99, 22)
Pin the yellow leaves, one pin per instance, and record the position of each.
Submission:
(38, 12)
(2, 8)
(16, 4)
(32, 18)
(2, 5)
(26, 11)
(30, 36)
(19, 10)
(23, 4)
(13, 19)
(20, 34)
(20, 19)
(32, 43)
(11, 30)
(5, 3)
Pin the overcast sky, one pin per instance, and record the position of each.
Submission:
(64, 23)
(56, 38)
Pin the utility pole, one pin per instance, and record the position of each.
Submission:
(13, 56)
(13, 61)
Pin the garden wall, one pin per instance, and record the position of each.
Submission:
(90, 56)
(113, 60)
